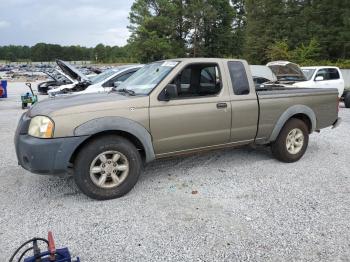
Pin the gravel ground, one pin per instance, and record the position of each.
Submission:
(247, 207)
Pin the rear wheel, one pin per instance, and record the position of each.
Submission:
(347, 100)
(107, 167)
(292, 141)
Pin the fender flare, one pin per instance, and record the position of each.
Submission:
(111, 123)
(289, 113)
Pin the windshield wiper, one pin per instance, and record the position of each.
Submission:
(127, 91)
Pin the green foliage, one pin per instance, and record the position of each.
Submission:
(309, 52)
(279, 51)
(302, 24)
(176, 28)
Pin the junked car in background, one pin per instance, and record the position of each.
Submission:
(286, 72)
(262, 74)
(57, 78)
(102, 82)
(80, 80)
(110, 78)
(323, 77)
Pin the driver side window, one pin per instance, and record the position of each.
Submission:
(198, 80)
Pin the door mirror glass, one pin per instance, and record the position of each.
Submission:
(168, 93)
(319, 78)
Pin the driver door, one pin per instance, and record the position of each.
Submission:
(200, 115)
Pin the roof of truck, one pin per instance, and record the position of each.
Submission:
(205, 59)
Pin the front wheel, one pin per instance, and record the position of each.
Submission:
(347, 100)
(292, 141)
(107, 167)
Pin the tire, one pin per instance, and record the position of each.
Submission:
(347, 100)
(88, 164)
(291, 142)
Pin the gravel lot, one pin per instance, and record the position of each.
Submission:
(248, 206)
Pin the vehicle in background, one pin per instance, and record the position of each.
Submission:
(286, 72)
(58, 78)
(262, 74)
(322, 77)
(346, 98)
(167, 108)
(79, 79)
(100, 83)
(109, 79)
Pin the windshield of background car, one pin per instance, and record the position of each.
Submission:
(148, 77)
(104, 75)
(308, 73)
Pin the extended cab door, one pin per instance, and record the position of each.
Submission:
(197, 115)
(244, 102)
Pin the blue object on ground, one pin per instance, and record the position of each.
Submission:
(3, 86)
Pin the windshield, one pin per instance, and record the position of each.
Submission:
(104, 75)
(148, 77)
(308, 73)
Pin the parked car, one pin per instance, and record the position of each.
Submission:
(102, 82)
(110, 78)
(80, 80)
(323, 77)
(261, 75)
(58, 78)
(167, 108)
(286, 72)
(346, 98)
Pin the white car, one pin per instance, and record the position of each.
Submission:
(110, 78)
(102, 82)
(322, 77)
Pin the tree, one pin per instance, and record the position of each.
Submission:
(309, 52)
(279, 51)
(154, 33)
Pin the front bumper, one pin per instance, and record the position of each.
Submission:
(44, 156)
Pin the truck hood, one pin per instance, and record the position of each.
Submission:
(74, 103)
(286, 71)
(71, 71)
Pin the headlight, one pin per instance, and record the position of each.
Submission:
(41, 126)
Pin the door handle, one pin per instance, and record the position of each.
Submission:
(221, 105)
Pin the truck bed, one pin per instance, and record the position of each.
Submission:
(276, 100)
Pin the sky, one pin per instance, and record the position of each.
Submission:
(64, 22)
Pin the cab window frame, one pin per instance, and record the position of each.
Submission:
(208, 64)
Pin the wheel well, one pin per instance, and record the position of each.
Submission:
(305, 119)
(133, 139)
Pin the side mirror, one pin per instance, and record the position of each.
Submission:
(117, 83)
(168, 93)
(319, 78)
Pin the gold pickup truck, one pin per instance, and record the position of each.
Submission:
(167, 108)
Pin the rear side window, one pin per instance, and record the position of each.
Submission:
(328, 73)
(239, 78)
(333, 74)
